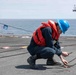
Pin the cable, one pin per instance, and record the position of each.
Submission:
(13, 55)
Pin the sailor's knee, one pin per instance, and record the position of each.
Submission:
(52, 52)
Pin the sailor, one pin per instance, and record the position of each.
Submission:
(45, 43)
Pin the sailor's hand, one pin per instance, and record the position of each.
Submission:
(65, 62)
(65, 54)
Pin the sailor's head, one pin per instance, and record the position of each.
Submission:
(63, 25)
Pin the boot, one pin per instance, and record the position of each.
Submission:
(52, 62)
(31, 60)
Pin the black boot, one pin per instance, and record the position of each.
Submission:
(31, 60)
(52, 62)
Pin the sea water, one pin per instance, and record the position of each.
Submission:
(28, 26)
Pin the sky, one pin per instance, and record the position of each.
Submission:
(37, 9)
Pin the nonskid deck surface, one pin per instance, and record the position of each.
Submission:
(14, 54)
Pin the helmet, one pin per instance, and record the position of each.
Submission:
(64, 25)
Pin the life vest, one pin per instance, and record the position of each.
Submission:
(38, 37)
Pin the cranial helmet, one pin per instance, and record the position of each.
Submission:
(64, 25)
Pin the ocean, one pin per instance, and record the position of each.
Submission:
(28, 26)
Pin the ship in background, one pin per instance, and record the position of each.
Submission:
(74, 8)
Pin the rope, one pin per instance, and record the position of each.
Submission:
(16, 27)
